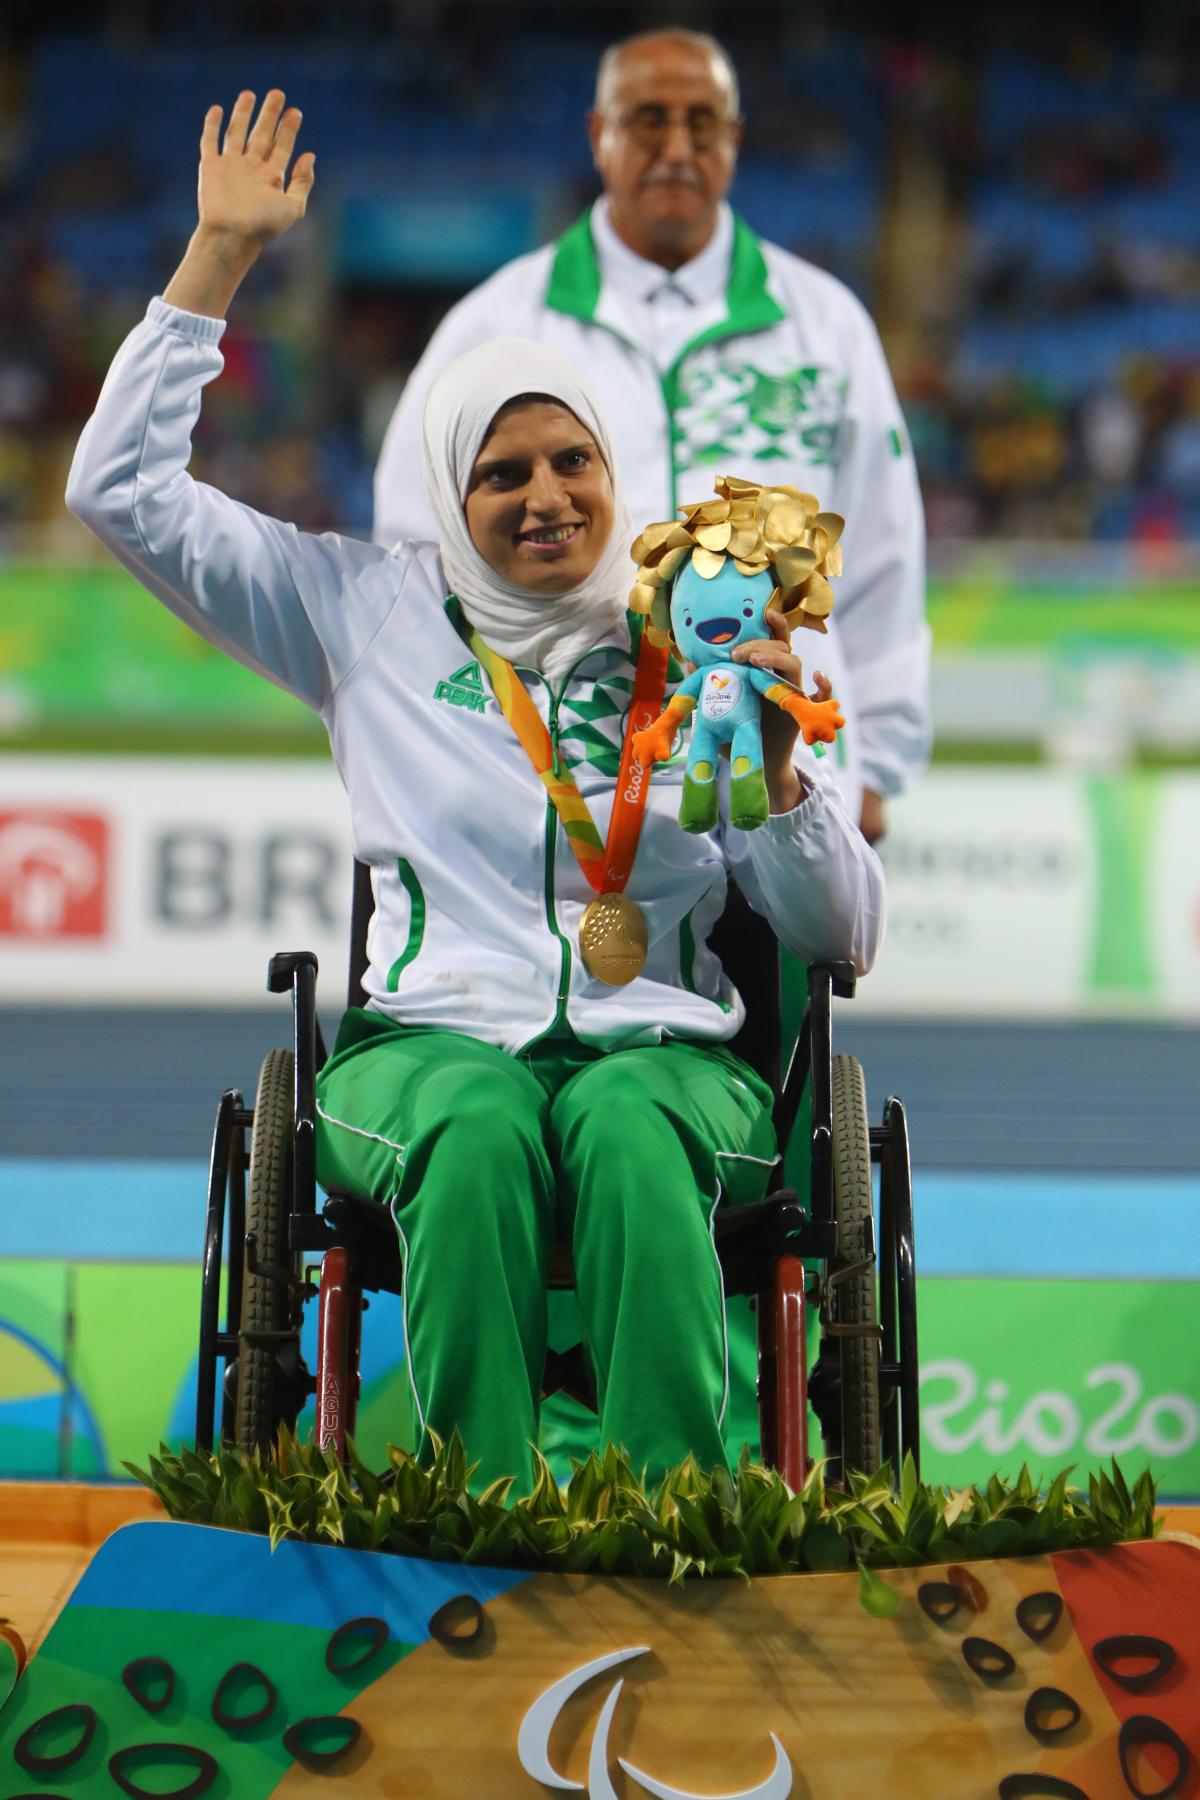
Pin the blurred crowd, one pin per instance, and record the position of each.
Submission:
(1056, 392)
(1047, 352)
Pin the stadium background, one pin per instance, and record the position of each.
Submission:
(1018, 200)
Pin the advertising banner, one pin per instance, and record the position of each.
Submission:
(1057, 1372)
(1050, 1373)
(1020, 893)
(992, 890)
(1039, 892)
(1093, 648)
(1172, 885)
(130, 881)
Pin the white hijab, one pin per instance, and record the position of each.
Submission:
(546, 632)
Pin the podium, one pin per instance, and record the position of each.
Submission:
(191, 1659)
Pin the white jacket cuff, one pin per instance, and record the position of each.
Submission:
(197, 326)
(814, 876)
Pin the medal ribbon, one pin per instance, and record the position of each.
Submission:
(607, 866)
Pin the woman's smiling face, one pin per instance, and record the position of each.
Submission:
(539, 505)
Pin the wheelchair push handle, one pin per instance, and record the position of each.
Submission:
(283, 967)
(842, 977)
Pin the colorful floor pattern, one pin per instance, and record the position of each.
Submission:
(190, 1660)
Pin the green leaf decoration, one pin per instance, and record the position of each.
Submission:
(1000, 1537)
(826, 1550)
(875, 1596)
(694, 1522)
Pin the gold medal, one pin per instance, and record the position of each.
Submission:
(613, 939)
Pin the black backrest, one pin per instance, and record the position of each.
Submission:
(749, 953)
(362, 905)
(745, 943)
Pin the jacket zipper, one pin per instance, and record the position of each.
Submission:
(551, 853)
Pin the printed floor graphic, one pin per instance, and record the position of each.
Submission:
(191, 1661)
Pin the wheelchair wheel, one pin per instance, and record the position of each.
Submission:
(855, 1301)
(263, 1399)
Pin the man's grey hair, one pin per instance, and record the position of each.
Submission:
(606, 74)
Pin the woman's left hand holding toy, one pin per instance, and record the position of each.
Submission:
(781, 724)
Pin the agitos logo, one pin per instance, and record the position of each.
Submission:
(533, 1744)
(53, 874)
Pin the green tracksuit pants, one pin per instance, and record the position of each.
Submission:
(485, 1159)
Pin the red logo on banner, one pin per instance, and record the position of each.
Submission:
(53, 874)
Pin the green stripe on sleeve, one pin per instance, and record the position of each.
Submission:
(416, 922)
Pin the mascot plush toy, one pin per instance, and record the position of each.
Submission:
(706, 584)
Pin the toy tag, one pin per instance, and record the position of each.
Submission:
(722, 691)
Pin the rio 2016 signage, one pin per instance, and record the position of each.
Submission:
(1055, 1372)
(1050, 1373)
(1050, 1422)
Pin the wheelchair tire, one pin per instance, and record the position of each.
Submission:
(856, 1298)
(262, 1399)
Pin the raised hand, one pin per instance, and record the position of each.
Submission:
(246, 198)
(244, 190)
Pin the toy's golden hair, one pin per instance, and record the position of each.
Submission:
(775, 528)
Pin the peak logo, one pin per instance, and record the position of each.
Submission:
(53, 874)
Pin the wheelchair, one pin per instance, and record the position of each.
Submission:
(788, 1256)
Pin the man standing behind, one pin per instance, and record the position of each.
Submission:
(713, 352)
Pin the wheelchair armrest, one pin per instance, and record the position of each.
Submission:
(283, 965)
(842, 977)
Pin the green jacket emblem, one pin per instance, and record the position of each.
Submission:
(464, 688)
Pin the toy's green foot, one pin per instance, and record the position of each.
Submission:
(698, 808)
(748, 806)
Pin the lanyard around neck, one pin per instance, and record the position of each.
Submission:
(607, 865)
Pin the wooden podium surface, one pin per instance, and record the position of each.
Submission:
(49, 1532)
(499, 1684)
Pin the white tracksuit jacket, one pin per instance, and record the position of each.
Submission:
(785, 381)
(478, 895)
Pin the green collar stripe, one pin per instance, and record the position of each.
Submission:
(575, 283)
(752, 307)
(575, 275)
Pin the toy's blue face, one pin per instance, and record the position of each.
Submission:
(711, 618)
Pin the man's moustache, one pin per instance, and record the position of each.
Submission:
(661, 177)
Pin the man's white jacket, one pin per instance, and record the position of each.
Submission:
(478, 896)
(790, 386)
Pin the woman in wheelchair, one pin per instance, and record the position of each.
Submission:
(532, 1061)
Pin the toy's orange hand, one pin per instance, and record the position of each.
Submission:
(819, 720)
(653, 743)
